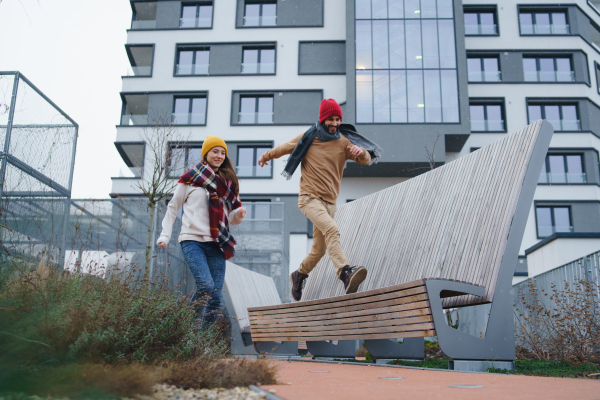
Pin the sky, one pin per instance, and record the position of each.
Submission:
(74, 52)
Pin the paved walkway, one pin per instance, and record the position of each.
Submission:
(348, 382)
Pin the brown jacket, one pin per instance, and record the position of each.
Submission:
(322, 165)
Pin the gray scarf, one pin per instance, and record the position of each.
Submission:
(317, 130)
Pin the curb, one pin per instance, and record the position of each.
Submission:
(268, 395)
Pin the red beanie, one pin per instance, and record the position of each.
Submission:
(329, 108)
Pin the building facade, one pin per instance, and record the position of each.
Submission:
(429, 80)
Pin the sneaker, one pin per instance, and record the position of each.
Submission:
(298, 281)
(352, 278)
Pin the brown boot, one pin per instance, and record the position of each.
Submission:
(352, 278)
(298, 281)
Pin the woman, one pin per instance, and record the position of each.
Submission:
(209, 195)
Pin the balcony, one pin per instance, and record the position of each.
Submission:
(487, 126)
(189, 118)
(192, 69)
(484, 76)
(566, 125)
(262, 68)
(562, 178)
(254, 172)
(143, 24)
(544, 231)
(139, 71)
(134, 119)
(198, 22)
(260, 21)
(549, 76)
(539, 29)
(480, 29)
(255, 118)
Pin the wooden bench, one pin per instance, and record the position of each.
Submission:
(450, 238)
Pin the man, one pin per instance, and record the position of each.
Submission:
(323, 151)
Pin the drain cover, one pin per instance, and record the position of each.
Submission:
(391, 377)
(318, 371)
(467, 386)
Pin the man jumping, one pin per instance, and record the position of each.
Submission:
(323, 151)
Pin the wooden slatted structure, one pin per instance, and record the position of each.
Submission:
(450, 224)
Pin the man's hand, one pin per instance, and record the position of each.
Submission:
(161, 245)
(355, 150)
(242, 213)
(262, 162)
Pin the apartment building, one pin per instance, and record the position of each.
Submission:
(429, 80)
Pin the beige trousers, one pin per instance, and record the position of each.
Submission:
(326, 235)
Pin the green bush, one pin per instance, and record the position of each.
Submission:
(550, 368)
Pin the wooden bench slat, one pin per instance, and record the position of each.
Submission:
(396, 329)
(368, 336)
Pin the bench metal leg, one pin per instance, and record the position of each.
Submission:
(391, 349)
(344, 348)
(499, 341)
(276, 348)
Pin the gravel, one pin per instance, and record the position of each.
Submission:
(169, 392)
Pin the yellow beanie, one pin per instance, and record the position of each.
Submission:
(212, 141)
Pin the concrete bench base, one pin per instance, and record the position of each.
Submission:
(479, 366)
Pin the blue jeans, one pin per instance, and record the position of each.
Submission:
(207, 263)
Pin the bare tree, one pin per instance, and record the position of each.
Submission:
(165, 151)
(430, 156)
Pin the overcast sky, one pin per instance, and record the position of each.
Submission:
(74, 52)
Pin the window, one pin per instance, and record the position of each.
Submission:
(553, 219)
(196, 15)
(257, 209)
(133, 155)
(182, 158)
(562, 117)
(405, 62)
(258, 61)
(189, 111)
(140, 58)
(247, 163)
(135, 109)
(481, 22)
(487, 117)
(483, 69)
(260, 13)
(192, 61)
(544, 23)
(256, 110)
(548, 69)
(144, 15)
(597, 75)
(472, 149)
(563, 169)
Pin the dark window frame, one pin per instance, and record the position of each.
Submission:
(260, 48)
(528, 9)
(552, 218)
(178, 51)
(485, 9)
(198, 4)
(260, 13)
(190, 97)
(473, 101)
(560, 111)
(566, 166)
(255, 159)
(597, 69)
(253, 201)
(256, 106)
(537, 58)
(481, 57)
(187, 147)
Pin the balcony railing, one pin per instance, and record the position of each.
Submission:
(550, 76)
(144, 24)
(139, 71)
(539, 29)
(481, 29)
(544, 231)
(566, 125)
(195, 69)
(260, 21)
(195, 22)
(484, 76)
(254, 172)
(260, 68)
(486, 126)
(255, 118)
(134, 119)
(189, 118)
(563, 178)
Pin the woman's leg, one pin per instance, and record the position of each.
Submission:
(216, 265)
(196, 259)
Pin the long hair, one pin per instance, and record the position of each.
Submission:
(227, 172)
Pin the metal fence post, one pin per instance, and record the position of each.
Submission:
(11, 116)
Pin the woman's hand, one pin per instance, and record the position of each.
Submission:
(262, 162)
(242, 213)
(162, 245)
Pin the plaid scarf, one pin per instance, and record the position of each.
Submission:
(219, 192)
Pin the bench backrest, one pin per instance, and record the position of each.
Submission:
(245, 289)
(452, 222)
